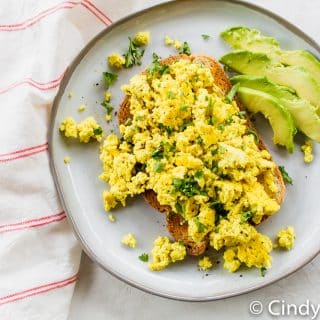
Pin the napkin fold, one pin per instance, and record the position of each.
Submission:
(39, 255)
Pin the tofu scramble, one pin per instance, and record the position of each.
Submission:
(192, 147)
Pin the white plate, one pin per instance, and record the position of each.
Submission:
(80, 189)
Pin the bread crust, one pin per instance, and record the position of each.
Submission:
(177, 227)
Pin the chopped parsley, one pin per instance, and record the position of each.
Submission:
(158, 166)
(200, 226)
(205, 36)
(184, 107)
(254, 133)
(180, 208)
(232, 92)
(109, 78)
(263, 271)
(242, 114)
(188, 186)
(107, 106)
(169, 130)
(133, 55)
(128, 122)
(247, 215)
(163, 150)
(171, 95)
(185, 49)
(156, 67)
(211, 120)
(221, 212)
(97, 131)
(144, 257)
(285, 175)
(199, 141)
(198, 174)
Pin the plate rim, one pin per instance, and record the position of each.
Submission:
(68, 74)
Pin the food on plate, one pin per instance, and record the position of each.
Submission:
(286, 238)
(115, 60)
(307, 148)
(260, 64)
(111, 217)
(129, 240)
(280, 118)
(82, 108)
(142, 38)
(279, 79)
(205, 263)
(165, 252)
(85, 130)
(243, 38)
(66, 160)
(197, 158)
(304, 114)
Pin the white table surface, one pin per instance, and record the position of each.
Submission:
(98, 295)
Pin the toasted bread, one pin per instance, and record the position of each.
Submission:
(175, 223)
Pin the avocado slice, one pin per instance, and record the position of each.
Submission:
(259, 64)
(243, 38)
(303, 113)
(279, 117)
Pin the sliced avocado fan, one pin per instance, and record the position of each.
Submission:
(243, 38)
(303, 113)
(279, 117)
(259, 64)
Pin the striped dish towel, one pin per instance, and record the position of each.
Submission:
(39, 255)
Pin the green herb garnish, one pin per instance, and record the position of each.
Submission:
(128, 122)
(170, 95)
(263, 271)
(97, 131)
(185, 49)
(211, 120)
(205, 36)
(242, 114)
(169, 130)
(247, 215)
(184, 107)
(254, 133)
(200, 226)
(180, 208)
(144, 257)
(133, 55)
(199, 141)
(285, 175)
(198, 174)
(232, 92)
(109, 78)
(156, 67)
(188, 186)
(158, 166)
(107, 106)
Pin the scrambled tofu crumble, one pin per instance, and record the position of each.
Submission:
(194, 149)
(307, 151)
(142, 38)
(116, 60)
(67, 160)
(129, 240)
(175, 43)
(286, 238)
(165, 252)
(205, 263)
(82, 108)
(84, 130)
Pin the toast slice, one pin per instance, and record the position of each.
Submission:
(177, 227)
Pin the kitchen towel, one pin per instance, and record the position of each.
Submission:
(39, 255)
